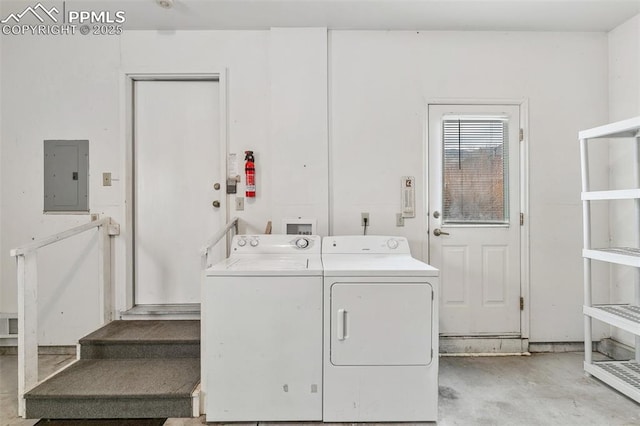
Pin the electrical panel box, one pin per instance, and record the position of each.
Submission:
(66, 176)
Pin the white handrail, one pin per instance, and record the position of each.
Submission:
(27, 248)
(233, 223)
(27, 267)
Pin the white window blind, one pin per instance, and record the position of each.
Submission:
(475, 170)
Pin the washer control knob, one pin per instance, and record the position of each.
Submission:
(254, 243)
(242, 242)
(392, 244)
(302, 243)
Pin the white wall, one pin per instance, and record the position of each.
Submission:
(298, 115)
(1, 205)
(624, 70)
(379, 83)
(53, 89)
(245, 56)
(624, 98)
(72, 88)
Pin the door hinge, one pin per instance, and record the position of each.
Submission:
(522, 303)
(521, 219)
(521, 135)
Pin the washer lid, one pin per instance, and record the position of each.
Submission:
(340, 265)
(267, 265)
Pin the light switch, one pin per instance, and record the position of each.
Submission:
(106, 179)
(239, 203)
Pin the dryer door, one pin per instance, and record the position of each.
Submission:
(381, 323)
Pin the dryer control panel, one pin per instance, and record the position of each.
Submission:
(363, 244)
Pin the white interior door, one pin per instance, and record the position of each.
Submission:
(474, 220)
(176, 164)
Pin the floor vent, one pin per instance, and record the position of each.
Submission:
(8, 326)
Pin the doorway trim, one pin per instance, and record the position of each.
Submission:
(523, 104)
(128, 81)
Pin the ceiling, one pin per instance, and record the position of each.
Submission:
(425, 15)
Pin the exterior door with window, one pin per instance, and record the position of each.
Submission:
(474, 220)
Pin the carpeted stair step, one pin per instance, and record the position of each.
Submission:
(118, 388)
(143, 339)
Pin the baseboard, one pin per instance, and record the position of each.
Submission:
(477, 346)
(42, 350)
(615, 350)
(556, 347)
(187, 311)
(480, 346)
(450, 346)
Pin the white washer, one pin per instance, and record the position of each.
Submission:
(380, 332)
(262, 331)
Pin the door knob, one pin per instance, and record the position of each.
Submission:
(216, 203)
(437, 232)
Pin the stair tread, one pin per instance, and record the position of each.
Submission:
(147, 331)
(123, 378)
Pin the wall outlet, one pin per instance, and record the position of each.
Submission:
(95, 216)
(365, 216)
(399, 219)
(239, 203)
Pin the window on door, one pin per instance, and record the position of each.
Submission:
(475, 170)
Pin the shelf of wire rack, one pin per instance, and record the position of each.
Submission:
(619, 255)
(622, 375)
(612, 194)
(620, 129)
(625, 317)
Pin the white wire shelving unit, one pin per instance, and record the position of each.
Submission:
(621, 375)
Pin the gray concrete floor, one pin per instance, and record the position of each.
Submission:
(543, 389)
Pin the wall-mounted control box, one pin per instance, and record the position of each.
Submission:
(299, 226)
(66, 176)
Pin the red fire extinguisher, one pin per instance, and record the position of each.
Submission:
(250, 174)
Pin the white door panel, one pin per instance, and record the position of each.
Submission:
(176, 163)
(378, 324)
(495, 271)
(474, 201)
(263, 348)
(455, 266)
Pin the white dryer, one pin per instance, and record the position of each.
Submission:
(380, 332)
(262, 331)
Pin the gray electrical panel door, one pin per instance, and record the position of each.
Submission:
(66, 171)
